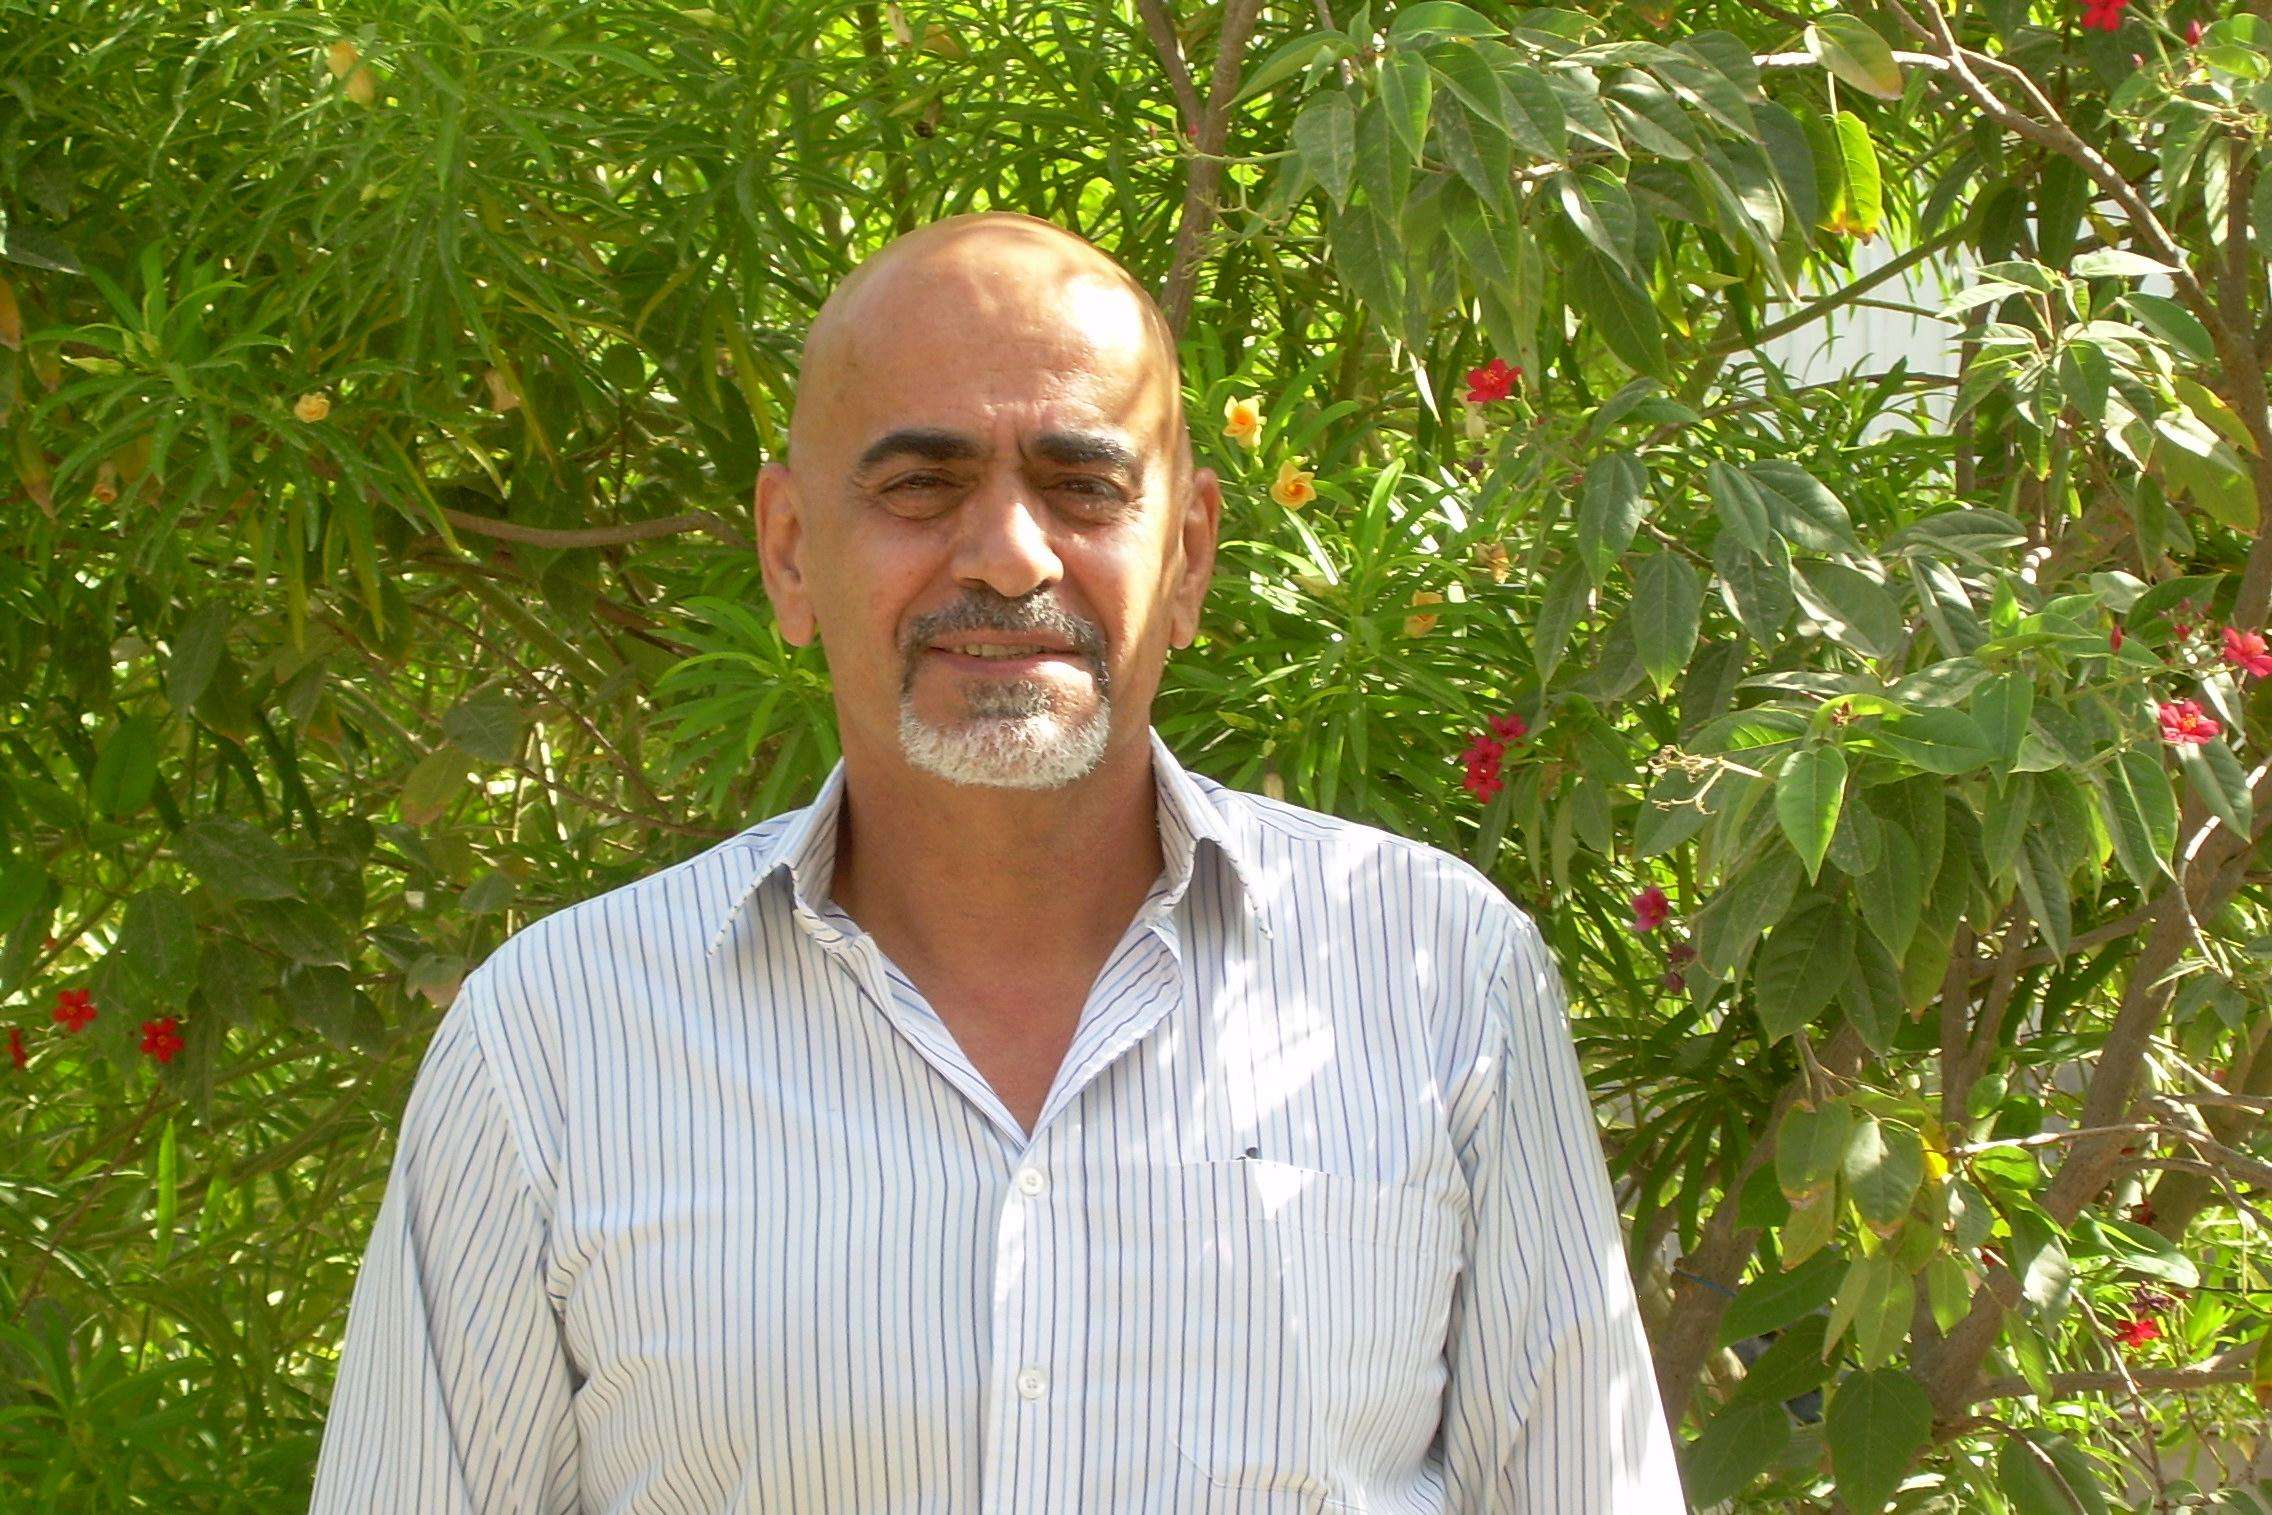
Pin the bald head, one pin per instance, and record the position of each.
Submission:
(984, 284)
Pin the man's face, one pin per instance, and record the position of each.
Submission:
(990, 464)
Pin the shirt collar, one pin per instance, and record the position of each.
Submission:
(804, 842)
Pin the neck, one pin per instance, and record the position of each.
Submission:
(975, 875)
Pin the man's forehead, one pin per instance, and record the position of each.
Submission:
(985, 325)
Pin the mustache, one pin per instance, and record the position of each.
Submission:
(1010, 619)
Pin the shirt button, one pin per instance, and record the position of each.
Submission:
(1031, 1181)
(1032, 1383)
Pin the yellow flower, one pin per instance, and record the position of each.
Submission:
(341, 58)
(1293, 488)
(1422, 624)
(1242, 420)
(311, 407)
(1494, 557)
(362, 85)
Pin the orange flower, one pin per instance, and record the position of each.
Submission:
(1293, 488)
(1494, 556)
(1242, 420)
(311, 408)
(362, 86)
(1422, 624)
(341, 58)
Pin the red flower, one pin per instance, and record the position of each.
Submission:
(1509, 727)
(2114, 638)
(161, 1039)
(2181, 623)
(1680, 952)
(2193, 31)
(2103, 15)
(1650, 909)
(16, 1053)
(1483, 757)
(2142, 1213)
(2136, 1333)
(1493, 381)
(1674, 980)
(2246, 651)
(2184, 723)
(74, 1008)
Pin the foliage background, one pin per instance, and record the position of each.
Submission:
(381, 391)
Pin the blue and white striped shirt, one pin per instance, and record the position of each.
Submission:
(697, 1206)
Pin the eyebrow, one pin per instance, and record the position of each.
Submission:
(935, 444)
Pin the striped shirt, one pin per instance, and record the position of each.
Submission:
(697, 1206)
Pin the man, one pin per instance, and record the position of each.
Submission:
(1027, 1125)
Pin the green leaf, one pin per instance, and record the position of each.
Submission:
(434, 781)
(1291, 58)
(1852, 609)
(1876, 1422)
(1668, 602)
(1405, 89)
(1947, 1292)
(1808, 795)
(1440, 18)
(1849, 48)
(1736, 497)
(1938, 740)
(1791, 1366)
(2145, 1251)
(157, 946)
(1534, 112)
(126, 774)
(2141, 806)
(1481, 159)
(1736, 1446)
(1776, 1298)
(487, 727)
(1611, 505)
(169, 1190)
(2003, 706)
(1883, 1167)
(1756, 589)
(2045, 1474)
(196, 654)
(236, 860)
(1366, 253)
(1619, 309)
(1801, 968)
(1876, 1299)
(1568, 596)
(1873, 997)
(1810, 1148)
(1857, 205)
(1325, 139)
(2043, 884)
(1603, 213)
(1745, 906)
(1799, 507)
(2217, 777)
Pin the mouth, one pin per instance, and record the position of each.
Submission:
(1003, 659)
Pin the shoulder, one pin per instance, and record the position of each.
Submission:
(1419, 880)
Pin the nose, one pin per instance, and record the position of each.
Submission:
(1003, 540)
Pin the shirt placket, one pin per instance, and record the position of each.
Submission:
(1034, 1421)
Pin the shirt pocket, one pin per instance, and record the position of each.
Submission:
(1312, 1329)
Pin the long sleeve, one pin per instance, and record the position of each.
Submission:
(1551, 1407)
(454, 1387)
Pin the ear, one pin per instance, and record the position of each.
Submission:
(780, 552)
(1197, 532)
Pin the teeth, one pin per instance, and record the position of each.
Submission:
(999, 652)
